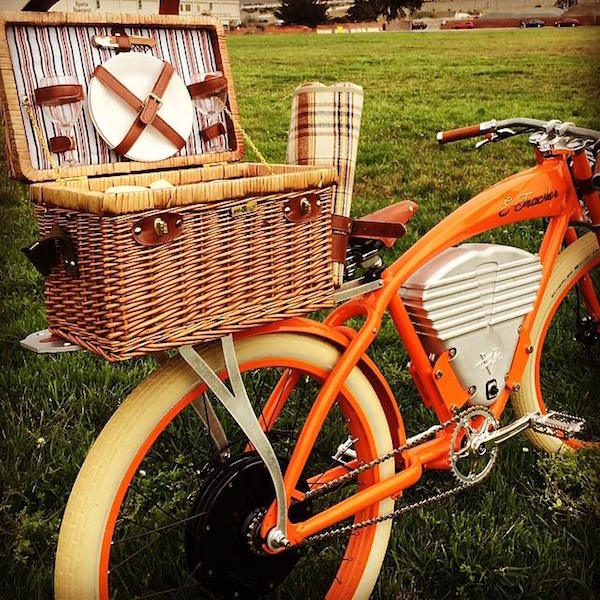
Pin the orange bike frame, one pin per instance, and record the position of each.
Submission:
(544, 191)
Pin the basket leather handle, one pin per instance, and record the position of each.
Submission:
(43, 256)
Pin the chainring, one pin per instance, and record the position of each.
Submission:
(470, 464)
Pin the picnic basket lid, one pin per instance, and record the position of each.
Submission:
(38, 45)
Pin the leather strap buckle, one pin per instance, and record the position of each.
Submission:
(153, 96)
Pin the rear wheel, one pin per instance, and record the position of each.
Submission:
(562, 373)
(157, 512)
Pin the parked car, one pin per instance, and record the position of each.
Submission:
(532, 23)
(463, 25)
(567, 22)
(418, 25)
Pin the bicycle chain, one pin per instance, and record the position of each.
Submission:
(425, 502)
(415, 441)
(326, 487)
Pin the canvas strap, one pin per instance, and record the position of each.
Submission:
(146, 110)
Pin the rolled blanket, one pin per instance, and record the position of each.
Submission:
(324, 131)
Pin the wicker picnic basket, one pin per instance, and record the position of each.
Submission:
(222, 246)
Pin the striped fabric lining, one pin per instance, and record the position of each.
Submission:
(51, 51)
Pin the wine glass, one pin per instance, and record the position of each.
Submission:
(211, 106)
(63, 114)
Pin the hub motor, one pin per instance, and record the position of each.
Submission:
(222, 542)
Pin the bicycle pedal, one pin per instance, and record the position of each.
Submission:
(557, 424)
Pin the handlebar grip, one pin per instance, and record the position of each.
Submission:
(462, 133)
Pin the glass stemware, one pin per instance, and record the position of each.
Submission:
(211, 107)
(64, 115)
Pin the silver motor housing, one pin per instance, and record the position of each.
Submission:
(473, 298)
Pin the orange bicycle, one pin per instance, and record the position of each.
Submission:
(236, 465)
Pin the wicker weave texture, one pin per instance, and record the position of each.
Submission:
(223, 274)
(191, 186)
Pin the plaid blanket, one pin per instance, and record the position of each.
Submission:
(324, 131)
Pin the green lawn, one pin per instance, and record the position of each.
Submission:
(533, 529)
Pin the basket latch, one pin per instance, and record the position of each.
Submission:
(157, 229)
(302, 208)
(43, 256)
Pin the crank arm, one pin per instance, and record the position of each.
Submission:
(498, 436)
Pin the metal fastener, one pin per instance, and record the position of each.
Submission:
(137, 230)
(452, 352)
(516, 387)
(304, 206)
(160, 226)
(472, 390)
(439, 374)
(529, 349)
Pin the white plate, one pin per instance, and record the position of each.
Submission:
(113, 118)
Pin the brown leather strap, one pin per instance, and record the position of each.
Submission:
(340, 229)
(123, 41)
(213, 131)
(148, 111)
(149, 108)
(344, 228)
(58, 94)
(60, 144)
(363, 228)
(211, 86)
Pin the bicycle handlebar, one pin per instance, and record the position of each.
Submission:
(488, 127)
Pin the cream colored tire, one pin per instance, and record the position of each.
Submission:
(576, 258)
(87, 512)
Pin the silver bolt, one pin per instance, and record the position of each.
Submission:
(452, 352)
(178, 223)
(529, 349)
(287, 209)
(374, 330)
(472, 390)
(516, 387)
(439, 374)
(137, 230)
(318, 203)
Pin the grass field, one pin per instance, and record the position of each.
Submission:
(533, 529)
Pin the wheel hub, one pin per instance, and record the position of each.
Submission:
(224, 518)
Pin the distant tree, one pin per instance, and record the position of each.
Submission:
(369, 10)
(302, 12)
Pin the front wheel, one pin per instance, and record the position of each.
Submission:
(157, 511)
(562, 372)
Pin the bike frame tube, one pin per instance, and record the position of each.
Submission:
(544, 191)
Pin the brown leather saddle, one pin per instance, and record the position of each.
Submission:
(385, 225)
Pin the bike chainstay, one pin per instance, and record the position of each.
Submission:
(425, 502)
